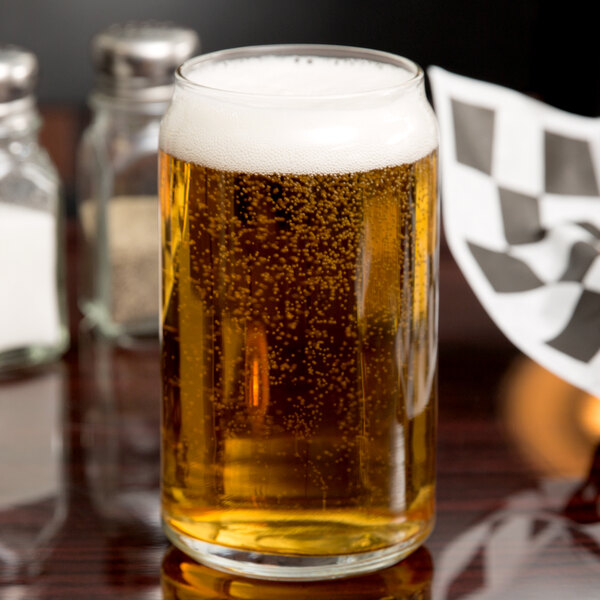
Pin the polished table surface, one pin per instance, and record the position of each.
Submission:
(518, 497)
(517, 500)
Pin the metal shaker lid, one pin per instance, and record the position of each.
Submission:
(18, 73)
(138, 59)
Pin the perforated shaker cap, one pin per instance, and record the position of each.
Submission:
(139, 59)
(18, 73)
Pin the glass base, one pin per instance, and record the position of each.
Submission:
(283, 567)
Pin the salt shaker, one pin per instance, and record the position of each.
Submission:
(33, 313)
(117, 175)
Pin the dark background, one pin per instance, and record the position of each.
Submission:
(543, 48)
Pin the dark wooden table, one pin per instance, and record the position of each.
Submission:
(517, 498)
(518, 473)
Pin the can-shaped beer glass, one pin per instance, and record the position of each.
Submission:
(299, 231)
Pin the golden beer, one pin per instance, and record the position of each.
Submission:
(298, 351)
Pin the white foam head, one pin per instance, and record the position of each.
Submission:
(298, 114)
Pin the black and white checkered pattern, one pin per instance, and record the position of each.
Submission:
(521, 207)
(511, 548)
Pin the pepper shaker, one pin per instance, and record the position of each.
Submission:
(117, 175)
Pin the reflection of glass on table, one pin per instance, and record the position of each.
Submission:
(184, 579)
(32, 485)
(121, 428)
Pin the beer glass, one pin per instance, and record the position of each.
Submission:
(299, 224)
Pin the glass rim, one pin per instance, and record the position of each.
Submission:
(316, 50)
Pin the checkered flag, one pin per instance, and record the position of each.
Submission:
(521, 209)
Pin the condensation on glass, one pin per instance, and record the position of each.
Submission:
(33, 493)
(299, 311)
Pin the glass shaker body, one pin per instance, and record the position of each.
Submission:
(33, 312)
(118, 215)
